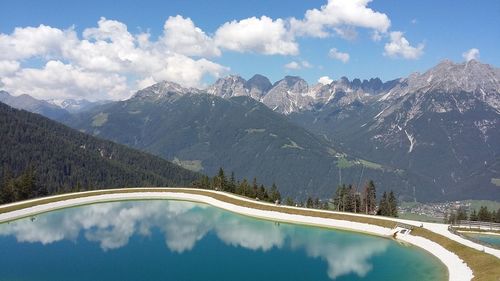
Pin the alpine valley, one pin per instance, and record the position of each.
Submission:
(433, 136)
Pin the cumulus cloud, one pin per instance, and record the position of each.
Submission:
(182, 53)
(8, 67)
(472, 54)
(28, 42)
(336, 54)
(183, 37)
(325, 80)
(107, 62)
(340, 13)
(400, 47)
(61, 81)
(259, 35)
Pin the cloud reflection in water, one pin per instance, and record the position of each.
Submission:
(185, 223)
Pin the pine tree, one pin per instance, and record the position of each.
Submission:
(309, 202)
(221, 181)
(232, 183)
(255, 188)
(25, 186)
(497, 217)
(392, 205)
(358, 202)
(483, 214)
(316, 203)
(275, 195)
(461, 214)
(369, 198)
(383, 208)
(350, 199)
(261, 193)
(473, 215)
(7, 189)
(452, 218)
(289, 202)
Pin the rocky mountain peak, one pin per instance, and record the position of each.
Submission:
(164, 89)
(288, 95)
(228, 86)
(259, 82)
(468, 76)
(448, 77)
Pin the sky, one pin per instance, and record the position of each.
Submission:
(110, 49)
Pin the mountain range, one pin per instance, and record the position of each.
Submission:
(53, 109)
(204, 132)
(432, 136)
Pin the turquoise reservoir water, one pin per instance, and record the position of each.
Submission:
(175, 240)
(488, 238)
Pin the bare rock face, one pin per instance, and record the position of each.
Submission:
(443, 125)
(164, 91)
(288, 95)
(258, 86)
(231, 86)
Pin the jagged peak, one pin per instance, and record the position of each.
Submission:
(259, 82)
(290, 81)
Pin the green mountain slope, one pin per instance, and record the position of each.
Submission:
(206, 132)
(63, 158)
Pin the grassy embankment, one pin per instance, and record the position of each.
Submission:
(485, 267)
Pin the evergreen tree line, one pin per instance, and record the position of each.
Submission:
(348, 199)
(61, 158)
(220, 182)
(483, 215)
(312, 203)
(22, 187)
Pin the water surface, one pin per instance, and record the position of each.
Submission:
(176, 240)
(487, 238)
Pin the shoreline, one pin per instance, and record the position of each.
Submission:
(457, 269)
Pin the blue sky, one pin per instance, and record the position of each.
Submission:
(434, 30)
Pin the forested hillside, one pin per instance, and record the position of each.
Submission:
(61, 159)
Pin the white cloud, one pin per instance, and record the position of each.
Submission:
(108, 62)
(180, 54)
(325, 80)
(400, 47)
(183, 37)
(472, 54)
(336, 54)
(340, 13)
(8, 67)
(60, 81)
(348, 33)
(188, 72)
(29, 42)
(292, 65)
(306, 64)
(259, 35)
(376, 36)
